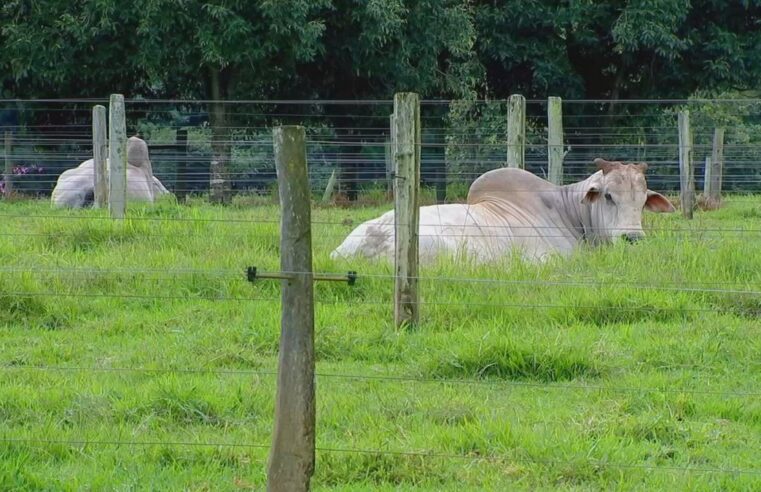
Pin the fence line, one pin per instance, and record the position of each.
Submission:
(655, 139)
(236, 274)
(344, 224)
(332, 301)
(419, 454)
(358, 157)
(485, 381)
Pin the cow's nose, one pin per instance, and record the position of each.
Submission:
(632, 237)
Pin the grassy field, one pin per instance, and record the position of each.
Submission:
(135, 356)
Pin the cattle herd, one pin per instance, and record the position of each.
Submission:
(507, 210)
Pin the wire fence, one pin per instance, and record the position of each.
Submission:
(460, 141)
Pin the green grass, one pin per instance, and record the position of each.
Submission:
(594, 372)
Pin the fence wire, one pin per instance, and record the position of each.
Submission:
(379, 452)
(460, 141)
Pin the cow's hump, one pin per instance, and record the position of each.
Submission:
(507, 184)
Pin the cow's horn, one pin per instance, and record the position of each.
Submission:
(603, 165)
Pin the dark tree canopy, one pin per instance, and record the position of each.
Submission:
(619, 49)
(370, 49)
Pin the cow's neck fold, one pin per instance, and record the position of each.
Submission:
(578, 214)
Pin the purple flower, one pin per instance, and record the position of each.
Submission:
(31, 169)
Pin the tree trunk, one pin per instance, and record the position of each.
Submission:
(219, 179)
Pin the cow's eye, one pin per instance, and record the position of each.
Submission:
(608, 197)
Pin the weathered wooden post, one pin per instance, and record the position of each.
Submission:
(437, 165)
(291, 462)
(329, 188)
(391, 160)
(406, 138)
(712, 186)
(516, 131)
(99, 155)
(555, 140)
(686, 170)
(221, 148)
(181, 181)
(8, 170)
(117, 157)
(348, 177)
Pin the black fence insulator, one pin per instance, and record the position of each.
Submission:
(253, 274)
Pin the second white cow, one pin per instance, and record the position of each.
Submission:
(513, 210)
(75, 187)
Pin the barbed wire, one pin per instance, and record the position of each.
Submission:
(381, 452)
(390, 225)
(647, 306)
(662, 285)
(433, 102)
(658, 147)
(490, 381)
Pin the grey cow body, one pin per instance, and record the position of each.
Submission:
(75, 187)
(512, 210)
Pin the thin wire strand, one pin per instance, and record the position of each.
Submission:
(419, 454)
(392, 379)
(344, 224)
(238, 274)
(387, 304)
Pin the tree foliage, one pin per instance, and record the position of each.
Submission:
(369, 49)
(618, 49)
(372, 48)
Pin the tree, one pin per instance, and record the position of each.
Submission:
(372, 49)
(222, 50)
(618, 49)
(59, 49)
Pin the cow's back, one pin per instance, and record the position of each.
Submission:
(508, 210)
(508, 184)
(530, 207)
(74, 186)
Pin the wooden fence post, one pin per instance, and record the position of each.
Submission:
(117, 157)
(99, 156)
(221, 145)
(686, 169)
(555, 140)
(391, 163)
(291, 462)
(329, 188)
(516, 131)
(181, 181)
(712, 186)
(406, 138)
(8, 171)
(438, 173)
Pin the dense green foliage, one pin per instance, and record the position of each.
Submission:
(370, 49)
(620, 368)
(360, 50)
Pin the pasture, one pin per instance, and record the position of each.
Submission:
(136, 356)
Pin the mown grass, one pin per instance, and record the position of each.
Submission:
(135, 355)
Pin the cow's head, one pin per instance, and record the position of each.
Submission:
(137, 152)
(616, 195)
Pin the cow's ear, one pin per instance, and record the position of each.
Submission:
(592, 194)
(658, 203)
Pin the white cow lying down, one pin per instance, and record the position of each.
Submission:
(511, 209)
(75, 187)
